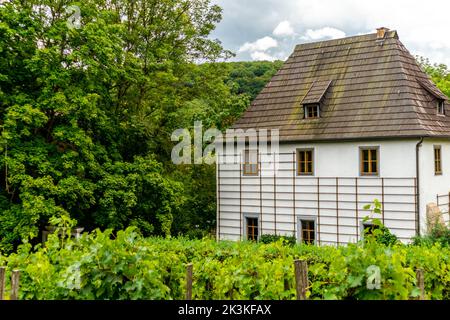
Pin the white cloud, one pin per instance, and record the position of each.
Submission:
(284, 29)
(423, 28)
(323, 33)
(259, 55)
(262, 44)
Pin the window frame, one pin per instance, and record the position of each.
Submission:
(361, 161)
(297, 162)
(435, 160)
(300, 228)
(311, 105)
(245, 233)
(244, 163)
(441, 107)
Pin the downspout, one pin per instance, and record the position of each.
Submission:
(418, 145)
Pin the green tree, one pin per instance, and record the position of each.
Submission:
(80, 109)
(438, 72)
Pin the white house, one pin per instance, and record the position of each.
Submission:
(358, 120)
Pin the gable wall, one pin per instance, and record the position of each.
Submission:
(432, 185)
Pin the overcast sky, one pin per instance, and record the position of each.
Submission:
(269, 29)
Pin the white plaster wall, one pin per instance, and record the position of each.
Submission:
(432, 185)
(241, 195)
(341, 159)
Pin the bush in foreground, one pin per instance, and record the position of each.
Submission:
(129, 266)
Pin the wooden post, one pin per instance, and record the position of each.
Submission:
(15, 277)
(2, 281)
(189, 281)
(421, 283)
(301, 278)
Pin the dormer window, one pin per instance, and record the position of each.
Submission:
(314, 98)
(441, 107)
(431, 88)
(312, 111)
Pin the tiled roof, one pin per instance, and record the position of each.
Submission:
(431, 88)
(377, 91)
(316, 92)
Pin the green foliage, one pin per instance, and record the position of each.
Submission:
(440, 234)
(286, 240)
(129, 266)
(439, 73)
(251, 77)
(216, 94)
(377, 231)
(84, 111)
(86, 114)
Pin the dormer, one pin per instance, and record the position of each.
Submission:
(436, 93)
(312, 102)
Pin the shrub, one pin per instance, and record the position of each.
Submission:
(127, 266)
(439, 234)
(286, 240)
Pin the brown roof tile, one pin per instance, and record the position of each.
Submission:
(367, 89)
(316, 92)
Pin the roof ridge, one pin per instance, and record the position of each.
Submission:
(390, 34)
(381, 84)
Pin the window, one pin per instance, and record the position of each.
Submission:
(437, 160)
(250, 166)
(312, 111)
(252, 228)
(305, 158)
(441, 107)
(307, 231)
(369, 161)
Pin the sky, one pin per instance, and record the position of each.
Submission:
(270, 29)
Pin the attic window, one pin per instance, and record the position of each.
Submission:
(314, 98)
(441, 107)
(312, 111)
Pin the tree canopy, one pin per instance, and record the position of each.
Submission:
(83, 110)
(87, 108)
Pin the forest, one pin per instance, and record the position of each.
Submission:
(86, 114)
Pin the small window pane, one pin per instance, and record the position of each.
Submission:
(308, 232)
(369, 161)
(441, 107)
(311, 111)
(252, 229)
(365, 155)
(305, 162)
(250, 165)
(374, 167)
(437, 160)
(366, 167)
